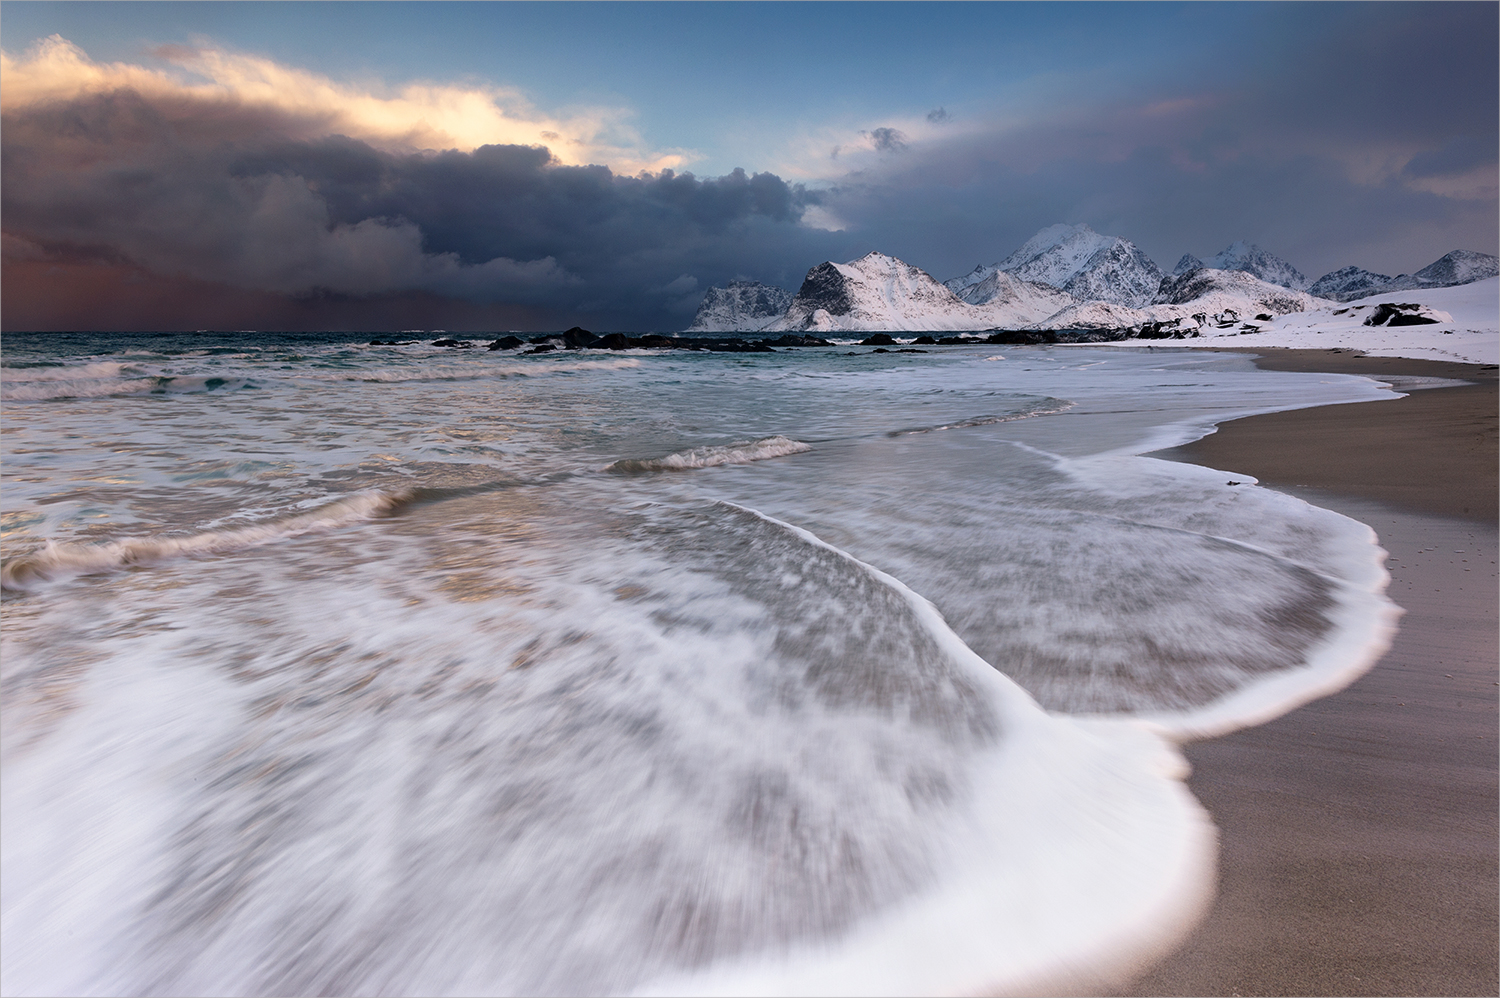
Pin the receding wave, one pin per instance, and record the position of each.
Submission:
(1047, 407)
(743, 452)
(63, 561)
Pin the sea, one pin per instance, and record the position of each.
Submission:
(340, 668)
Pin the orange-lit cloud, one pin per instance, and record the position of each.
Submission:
(415, 116)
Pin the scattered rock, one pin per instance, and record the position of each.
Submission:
(457, 344)
(577, 338)
(878, 340)
(506, 343)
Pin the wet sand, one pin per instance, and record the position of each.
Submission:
(1359, 833)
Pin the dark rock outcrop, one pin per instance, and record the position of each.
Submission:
(1407, 314)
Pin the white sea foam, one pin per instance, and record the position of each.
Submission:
(715, 455)
(63, 561)
(702, 752)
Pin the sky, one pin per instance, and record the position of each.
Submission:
(520, 166)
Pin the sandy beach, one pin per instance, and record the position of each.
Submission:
(1359, 833)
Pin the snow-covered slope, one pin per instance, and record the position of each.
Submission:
(1211, 292)
(1089, 266)
(1253, 260)
(1348, 283)
(744, 306)
(1472, 336)
(1187, 263)
(876, 293)
(1094, 315)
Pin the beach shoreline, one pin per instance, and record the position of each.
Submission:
(1359, 832)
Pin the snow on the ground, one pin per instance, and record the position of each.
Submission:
(1472, 337)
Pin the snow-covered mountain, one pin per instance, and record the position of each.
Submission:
(1212, 291)
(744, 306)
(1348, 283)
(875, 293)
(960, 285)
(1253, 260)
(1007, 301)
(1187, 263)
(1089, 266)
(1451, 270)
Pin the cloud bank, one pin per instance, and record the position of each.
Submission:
(266, 180)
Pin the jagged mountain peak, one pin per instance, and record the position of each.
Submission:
(1459, 267)
(1187, 263)
(1251, 259)
(742, 306)
(1449, 270)
(1087, 265)
(1348, 283)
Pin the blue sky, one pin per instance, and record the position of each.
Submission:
(1330, 134)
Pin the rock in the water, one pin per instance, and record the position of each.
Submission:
(798, 340)
(506, 343)
(577, 338)
(878, 340)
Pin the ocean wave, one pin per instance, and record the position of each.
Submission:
(44, 390)
(64, 561)
(1047, 407)
(475, 372)
(96, 371)
(741, 452)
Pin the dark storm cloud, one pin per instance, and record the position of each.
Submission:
(1329, 134)
(222, 193)
(938, 115)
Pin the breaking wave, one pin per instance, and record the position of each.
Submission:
(742, 452)
(64, 561)
(475, 373)
(58, 387)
